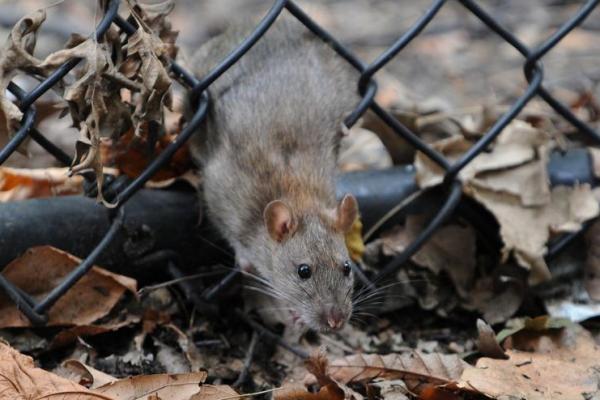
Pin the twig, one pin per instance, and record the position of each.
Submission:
(395, 210)
(270, 335)
(150, 288)
(247, 361)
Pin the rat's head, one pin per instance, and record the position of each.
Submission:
(310, 268)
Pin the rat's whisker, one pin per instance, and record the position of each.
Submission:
(271, 293)
(222, 249)
(380, 289)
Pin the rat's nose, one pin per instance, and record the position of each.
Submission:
(335, 318)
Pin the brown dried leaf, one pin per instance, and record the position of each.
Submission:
(317, 365)
(84, 375)
(512, 182)
(20, 379)
(70, 335)
(450, 249)
(499, 296)
(526, 230)
(417, 369)
(165, 386)
(565, 370)
(213, 392)
(146, 62)
(487, 343)
(20, 184)
(17, 55)
(154, 14)
(299, 392)
(42, 268)
(131, 155)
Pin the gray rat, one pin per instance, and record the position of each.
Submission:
(268, 151)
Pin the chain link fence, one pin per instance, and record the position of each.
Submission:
(366, 86)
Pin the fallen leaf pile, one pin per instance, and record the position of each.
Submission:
(542, 359)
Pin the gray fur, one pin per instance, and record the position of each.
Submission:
(272, 132)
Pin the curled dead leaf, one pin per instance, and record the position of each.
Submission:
(487, 343)
(84, 375)
(20, 379)
(17, 55)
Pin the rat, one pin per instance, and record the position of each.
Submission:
(268, 151)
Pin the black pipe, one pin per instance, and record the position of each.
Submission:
(168, 219)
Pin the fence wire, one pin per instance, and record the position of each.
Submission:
(366, 87)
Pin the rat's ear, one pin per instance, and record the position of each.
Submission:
(346, 213)
(279, 220)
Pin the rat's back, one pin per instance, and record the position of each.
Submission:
(274, 121)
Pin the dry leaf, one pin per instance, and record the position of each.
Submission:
(214, 392)
(20, 379)
(418, 370)
(70, 335)
(17, 55)
(299, 392)
(147, 64)
(165, 386)
(499, 296)
(131, 154)
(20, 184)
(487, 343)
(40, 269)
(450, 249)
(538, 325)
(330, 389)
(526, 230)
(84, 375)
(512, 182)
(568, 371)
(155, 14)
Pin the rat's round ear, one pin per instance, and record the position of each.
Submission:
(346, 213)
(279, 220)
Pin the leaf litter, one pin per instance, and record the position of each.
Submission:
(119, 106)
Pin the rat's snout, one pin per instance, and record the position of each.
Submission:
(334, 317)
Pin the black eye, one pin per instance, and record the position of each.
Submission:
(347, 268)
(304, 271)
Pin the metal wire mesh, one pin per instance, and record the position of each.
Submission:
(367, 88)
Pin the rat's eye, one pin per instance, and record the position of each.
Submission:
(304, 271)
(347, 268)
